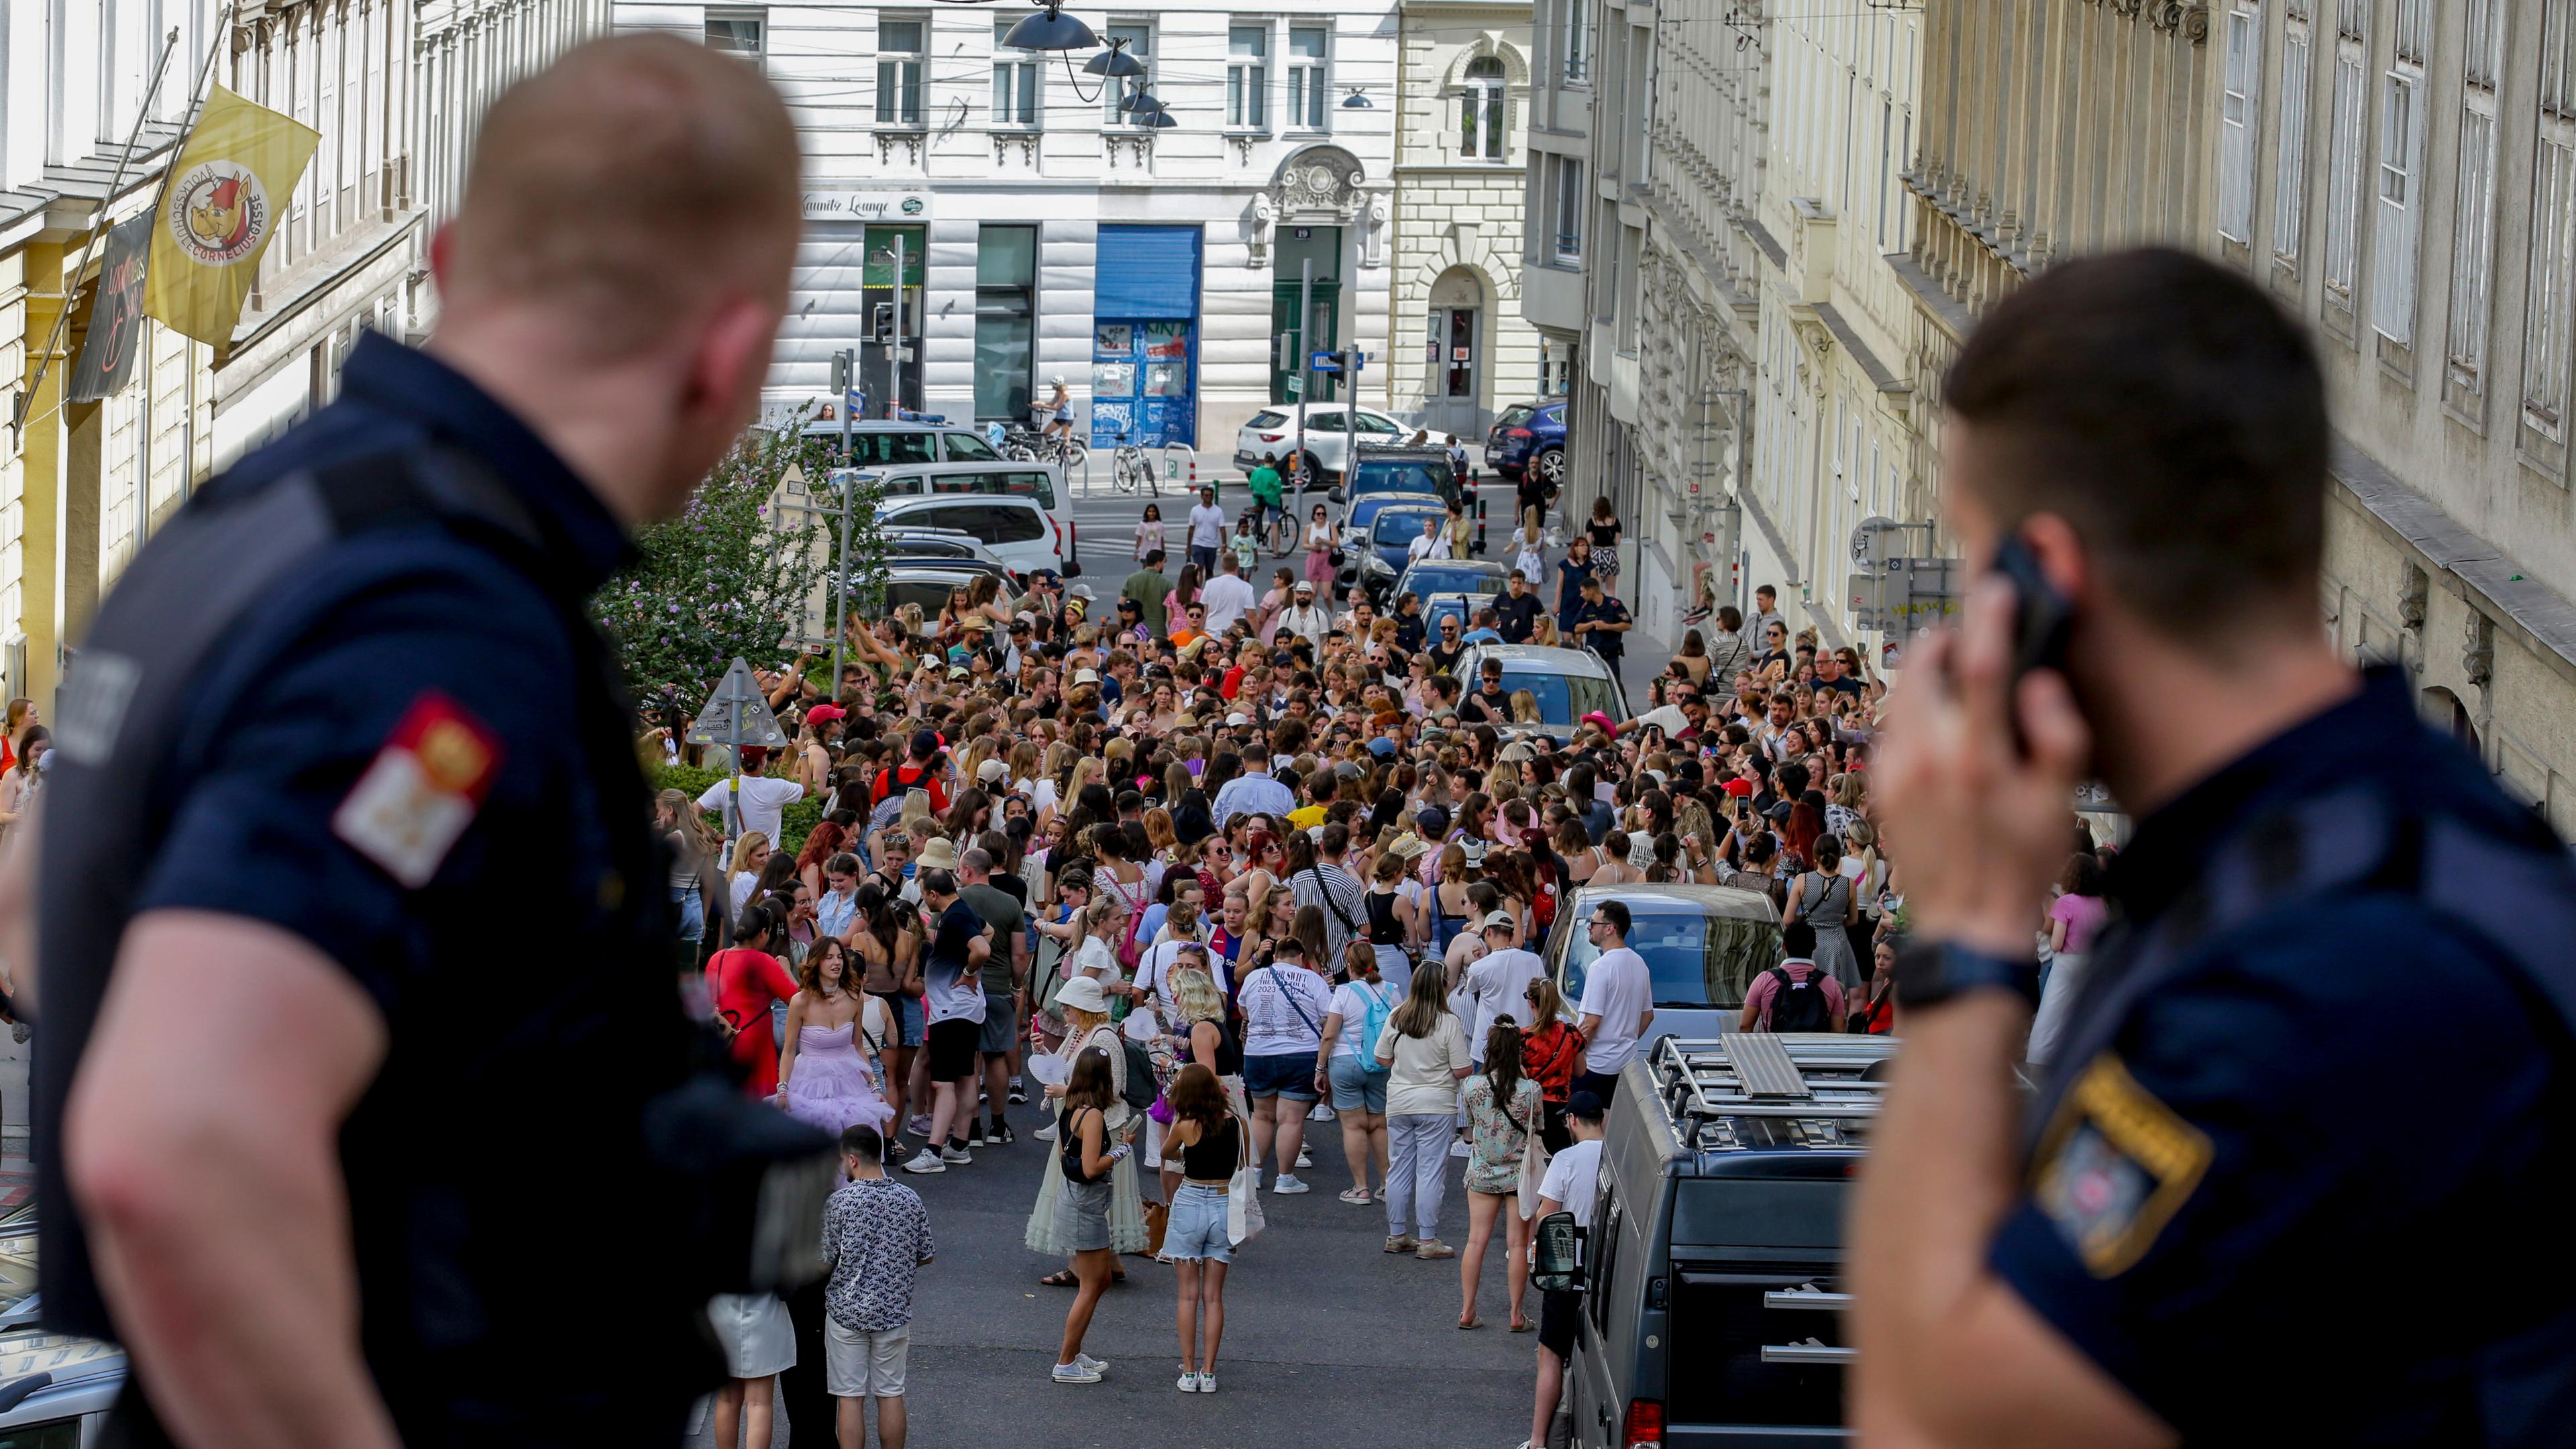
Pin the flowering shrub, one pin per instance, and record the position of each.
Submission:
(728, 578)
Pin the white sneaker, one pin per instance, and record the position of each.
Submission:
(957, 1155)
(918, 1126)
(1289, 1186)
(924, 1161)
(1187, 1383)
(1045, 1134)
(1098, 1366)
(1207, 1383)
(1458, 1148)
(1305, 1158)
(1075, 1373)
(1321, 1112)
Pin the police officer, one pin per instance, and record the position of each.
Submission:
(328, 1168)
(2319, 1067)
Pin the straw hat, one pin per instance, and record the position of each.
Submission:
(939, 854)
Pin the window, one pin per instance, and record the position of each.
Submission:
(1309, 48)
(1480, 110)
(2552, 303)
(1569, 210)
(2473, 233)
(2237, 108)
(2343, 174)
(1578, 40)
(1886, 167)
(1247, 78)
(739, 32)
(1140, 44)
(1006, 271)
(2290, 185)
(899, 53)
(1015, 81)
(2392, 291)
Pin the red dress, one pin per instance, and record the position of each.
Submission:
(744, 982)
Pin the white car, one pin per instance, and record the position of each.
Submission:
(1019, 532)
(1274, 431)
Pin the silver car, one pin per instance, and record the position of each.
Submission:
(54, 1389)
(1566, 683)
(1703, 946)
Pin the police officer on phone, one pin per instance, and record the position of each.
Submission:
(2323, 1054)
(343, 728)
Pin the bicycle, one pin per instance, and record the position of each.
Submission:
(1128, 469)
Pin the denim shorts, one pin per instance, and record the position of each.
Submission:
(1291, 1076)
(1196, 1231)
(907, 1015)
(1357, 1089)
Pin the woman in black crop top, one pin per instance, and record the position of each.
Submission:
(1206, 1138)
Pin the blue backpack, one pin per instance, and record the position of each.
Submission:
(1373, 1025)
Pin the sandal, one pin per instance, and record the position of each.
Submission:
(1466, 1323)
(1357, 1197)
(1060, 1278)
(1523, 1325)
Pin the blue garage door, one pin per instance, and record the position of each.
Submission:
(1144, 340)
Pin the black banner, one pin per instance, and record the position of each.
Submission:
(116, 316)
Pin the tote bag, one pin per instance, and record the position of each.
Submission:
(1534, 1160)
(1243, 1219)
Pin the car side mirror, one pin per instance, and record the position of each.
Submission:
(1557, 1262)
(1334, 494)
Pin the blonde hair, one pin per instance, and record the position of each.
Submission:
(743, 845)
(1195, 993)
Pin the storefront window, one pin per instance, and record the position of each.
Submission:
(1006, 259)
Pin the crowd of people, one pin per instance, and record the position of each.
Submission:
(1193, 880)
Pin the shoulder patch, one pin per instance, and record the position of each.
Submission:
(422, 790)
(2115, 1166)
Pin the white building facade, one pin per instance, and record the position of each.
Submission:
(1042, 234)
(1462, 350)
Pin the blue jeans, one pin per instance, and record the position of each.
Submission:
(691, 903)
(1197, 1231)
(1357, 1089)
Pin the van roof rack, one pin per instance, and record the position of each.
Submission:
(1749, 1090)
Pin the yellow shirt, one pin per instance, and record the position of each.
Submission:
(1307, 817)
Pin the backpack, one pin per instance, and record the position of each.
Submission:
(1372, 1024)
(1129, 948)
(1800, 1005)
(1142, 1085)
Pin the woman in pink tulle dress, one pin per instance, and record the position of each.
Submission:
(830, 1068)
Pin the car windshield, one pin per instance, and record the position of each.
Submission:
(1696, 959)
(1563, 698)
(1400, 525)
(1030, 483)
(1428, 579)
(1403, 477)
(1266, 420)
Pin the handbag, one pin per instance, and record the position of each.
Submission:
(1158, 1219)
(1243, 1217)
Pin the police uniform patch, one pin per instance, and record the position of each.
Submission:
(2115, 1166)
(422, 790)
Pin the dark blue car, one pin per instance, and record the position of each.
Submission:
(1390, 545)
(1528, 436)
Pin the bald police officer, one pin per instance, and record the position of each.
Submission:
(2276, 1182)
(344, 1171)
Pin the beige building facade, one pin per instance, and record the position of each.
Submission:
(1459, 349)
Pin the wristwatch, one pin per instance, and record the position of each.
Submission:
(1931, 972)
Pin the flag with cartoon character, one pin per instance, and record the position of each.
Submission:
(228, 189)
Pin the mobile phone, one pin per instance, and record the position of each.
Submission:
(2042, 617)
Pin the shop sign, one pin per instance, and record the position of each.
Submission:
(871, 205)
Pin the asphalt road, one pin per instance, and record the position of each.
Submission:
(1329, 1341)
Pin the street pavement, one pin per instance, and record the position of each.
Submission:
(1328, 1340)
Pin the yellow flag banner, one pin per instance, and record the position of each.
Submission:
(229, 189)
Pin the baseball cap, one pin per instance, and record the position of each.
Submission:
(957, 671)
(1048, 576)
(1582, 1106)
(1500, 921)
(992, 770)
(1381, 746)
(930, 661)
(825, 714)
(925, 742)
(1433, 822)
(1237, 719)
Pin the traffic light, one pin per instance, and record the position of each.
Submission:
(841, 372)
(881, 323)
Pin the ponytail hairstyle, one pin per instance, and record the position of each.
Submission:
(1503, 1061)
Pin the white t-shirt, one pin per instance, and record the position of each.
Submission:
(1425, 1080)
(1496, 982)
(1573, 1178)
(1350, 1003)
(764, 801)
(1228, 598)
(1283, 1011)
(1668, 717)
(1618, 988)
(1207, 526)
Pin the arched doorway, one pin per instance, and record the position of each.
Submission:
(2444, 711)
(1453, 392)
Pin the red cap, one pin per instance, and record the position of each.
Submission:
(825, 714)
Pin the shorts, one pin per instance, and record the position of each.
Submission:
(1291, 1076)
(1357, 1089)
(861, 1364)
(1560, 1314)
(1001, 1032)
(1604, 1085)
(952, 1049)
(1196, 1231)
(907, 1015)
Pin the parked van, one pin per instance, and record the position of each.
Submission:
(1712, 1271)
(1040, 483)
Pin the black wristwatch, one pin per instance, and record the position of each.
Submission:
(1931, 972)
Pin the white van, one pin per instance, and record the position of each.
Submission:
(1040, 483)
(1018, 532)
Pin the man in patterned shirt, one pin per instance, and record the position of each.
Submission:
(875, 1235)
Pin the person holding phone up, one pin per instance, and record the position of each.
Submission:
(2250, 1099)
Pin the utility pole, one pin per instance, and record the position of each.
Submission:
(844, 363)
(1350, 415)
(894, 354)
(1305, 374)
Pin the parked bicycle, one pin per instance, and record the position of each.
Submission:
(1128, 469)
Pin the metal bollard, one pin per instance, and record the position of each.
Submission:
(1480, 513)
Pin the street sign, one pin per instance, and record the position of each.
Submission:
(1296, 385)
(1912, 595)
(1870, 542)
(736, 714)
(1325, 362)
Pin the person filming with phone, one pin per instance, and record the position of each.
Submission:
(2249, 1105)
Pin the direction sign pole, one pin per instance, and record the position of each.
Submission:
(1305, 368)
(849, 359)
(1350, 421)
